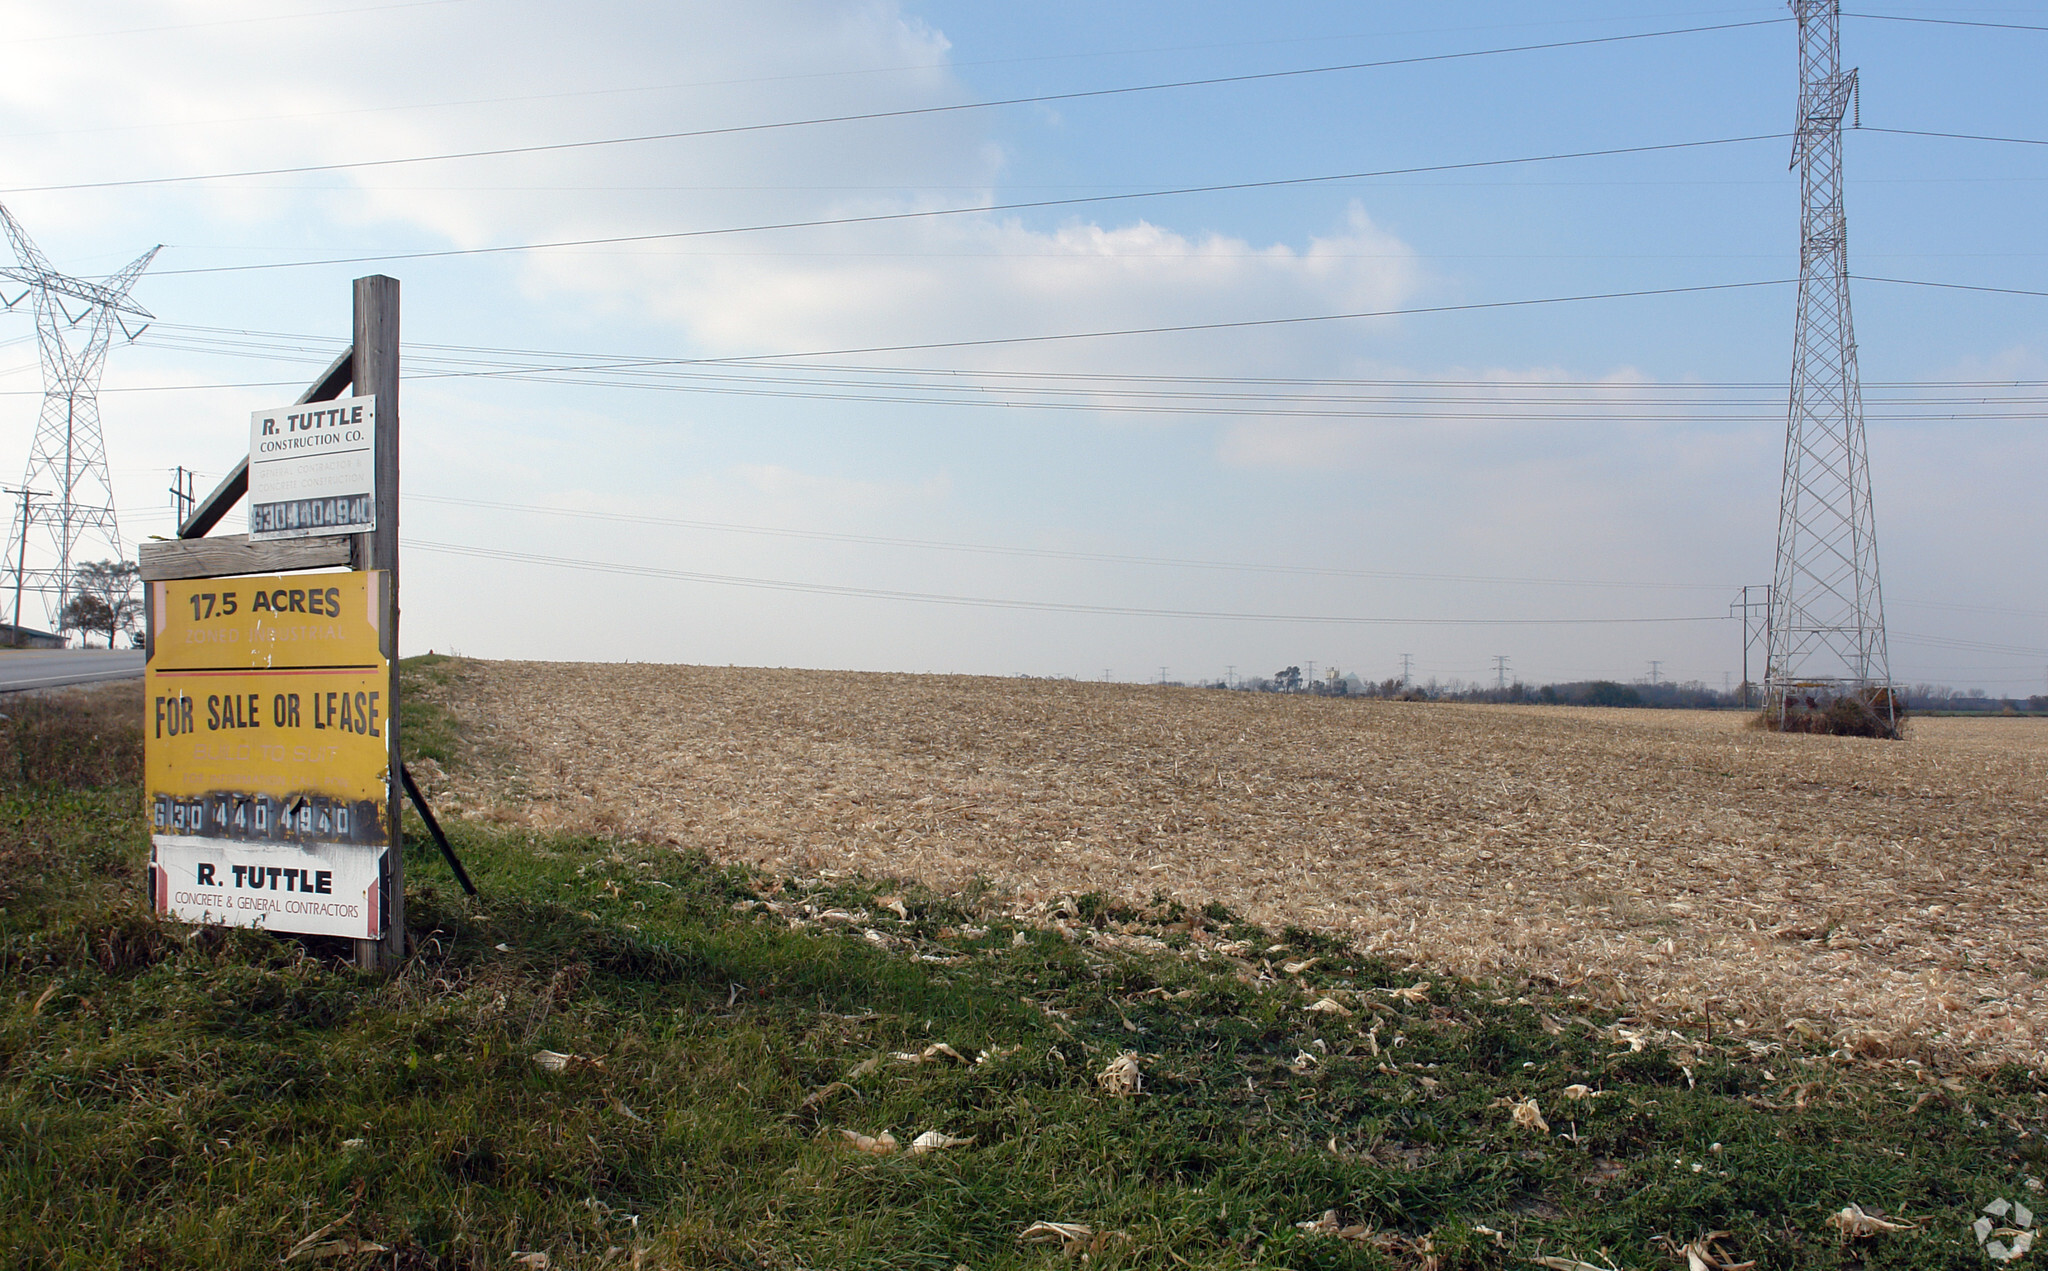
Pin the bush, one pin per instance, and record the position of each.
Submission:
(1871, 712)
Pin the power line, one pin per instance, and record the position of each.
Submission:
(930, 213)
(867, 116)
(1950, 286)
(1044, 553)
(1242, 324)
(1953, 136)
(1971, 646)
(323, 348)
(1996, 26)
(874, 593)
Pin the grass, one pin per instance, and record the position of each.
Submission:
(179, 1098)
(431, 730)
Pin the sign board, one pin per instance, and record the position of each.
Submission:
(313, 469)
(268, 758)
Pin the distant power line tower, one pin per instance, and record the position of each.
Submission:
(68, 458)
(1827, 615)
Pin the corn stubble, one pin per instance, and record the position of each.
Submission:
(1671, 863)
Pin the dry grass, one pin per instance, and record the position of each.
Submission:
(1666, 862)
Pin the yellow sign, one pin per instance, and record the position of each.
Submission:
(260, 623)
(267, 710)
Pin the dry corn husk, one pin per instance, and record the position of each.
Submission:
(1045, 1233)
(936, 1141)
(1576, 1092)
(1704, 1254)
(1854, 1222)
(1529, 1116)
(556, 1061)
(1331, 1006)
(1416, 993)
(1330, 1225)
(1122, 1077)
(1072, 1237)
(883, 1144)
(333, 1249)
(938, 1050)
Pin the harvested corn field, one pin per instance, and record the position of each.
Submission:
(1670, 863)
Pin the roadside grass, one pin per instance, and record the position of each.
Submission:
(213, 1098)
(431, 731)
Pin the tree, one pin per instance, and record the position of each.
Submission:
(1288, 680)
(103, 598)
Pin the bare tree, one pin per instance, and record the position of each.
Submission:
(103, 598)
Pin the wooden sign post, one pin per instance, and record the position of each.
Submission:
(272, 726)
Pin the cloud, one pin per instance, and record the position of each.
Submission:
(223, 95)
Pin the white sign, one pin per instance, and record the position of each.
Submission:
(320, 889)
(313, 469)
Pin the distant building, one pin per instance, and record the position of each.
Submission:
(13, 637)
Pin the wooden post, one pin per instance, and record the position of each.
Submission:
(375, 372)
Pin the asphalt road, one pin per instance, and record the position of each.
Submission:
(48, 668)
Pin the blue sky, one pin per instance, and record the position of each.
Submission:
(1523, 471)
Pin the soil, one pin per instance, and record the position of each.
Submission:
(1674, 864)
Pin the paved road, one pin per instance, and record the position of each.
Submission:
(49, 668)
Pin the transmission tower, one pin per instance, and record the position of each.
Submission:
(1827, 615)
(68, 456)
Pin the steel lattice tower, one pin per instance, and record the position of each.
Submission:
(67, 462)
(1827, 634)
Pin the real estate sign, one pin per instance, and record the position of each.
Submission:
(312, 469)
(268, 755)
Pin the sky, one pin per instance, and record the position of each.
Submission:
(973, 383)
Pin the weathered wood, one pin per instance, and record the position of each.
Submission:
(207, 512)
(225, 554)
(376, 373)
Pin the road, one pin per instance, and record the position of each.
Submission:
(49, 668)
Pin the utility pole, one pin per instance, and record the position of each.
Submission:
(1230, 675)
(1500, 670)
(1756, 624)
(182, 497)
(1405, 659)
(1654, 666)
(1827, 609)
(1162, 675)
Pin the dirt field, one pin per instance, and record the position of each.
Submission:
(1886, 893)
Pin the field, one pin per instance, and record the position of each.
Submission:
(643, 1055)
(1883, 896)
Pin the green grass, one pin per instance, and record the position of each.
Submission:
(172, 1098)
(431, 731)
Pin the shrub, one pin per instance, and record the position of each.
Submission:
(1871, 712)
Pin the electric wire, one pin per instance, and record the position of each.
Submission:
(1043, 553)
(1953, 136)
(904, 113)
(878, 218)
(1996, 26)
(989, 602)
